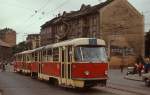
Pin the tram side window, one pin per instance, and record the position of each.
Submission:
(15, 58)
(40, 55)
(56, 54)
(44, 56)
(22, 58)
(19, 58)
(78, 56)
(49, 55)
(28, 57)
(36, 56)
(69, 54)
(32, 57)
(63, 59)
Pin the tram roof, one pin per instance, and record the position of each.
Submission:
(76, 42)
(26, 52)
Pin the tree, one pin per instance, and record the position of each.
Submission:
(20, 47)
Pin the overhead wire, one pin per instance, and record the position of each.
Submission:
(27, 27)
(47, 14)
(62, 4)
(16, 5)
(37, 11)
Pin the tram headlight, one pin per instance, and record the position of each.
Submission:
(87, 73)
(106, 72)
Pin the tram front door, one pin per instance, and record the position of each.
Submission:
(65, 66)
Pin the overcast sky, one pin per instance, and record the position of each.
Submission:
(26, 16)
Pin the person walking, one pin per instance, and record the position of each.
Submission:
(140, 68)
(3, 66)
(121, 68)
(135, 71)
(146, 65)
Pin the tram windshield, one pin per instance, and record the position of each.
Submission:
(90, 54)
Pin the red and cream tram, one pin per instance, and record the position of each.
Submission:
(80, 62)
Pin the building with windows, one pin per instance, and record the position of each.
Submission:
(33, 41)
(115, 21)
(9, 36)
(5, 51)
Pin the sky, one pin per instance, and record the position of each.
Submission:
(26, 16)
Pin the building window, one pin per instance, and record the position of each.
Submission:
(49, 55)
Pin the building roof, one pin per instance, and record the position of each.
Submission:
(84, 10)
(4, 44)
(7, 30)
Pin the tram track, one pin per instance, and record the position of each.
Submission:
(118, 91)
(134, 89)
(123, 89)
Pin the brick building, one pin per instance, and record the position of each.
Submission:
(33, 41)
(9, 36)
(5, 51)
(115, 21)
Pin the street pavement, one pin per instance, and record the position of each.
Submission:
(15, 84)
(134, 77)
(117, 80)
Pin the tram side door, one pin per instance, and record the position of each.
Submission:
(65, 66)
(39, 63)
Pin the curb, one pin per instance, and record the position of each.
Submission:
(129, 77)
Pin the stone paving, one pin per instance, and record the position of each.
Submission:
(135, 77)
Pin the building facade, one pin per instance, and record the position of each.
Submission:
(115, 21)
(9, 36)
(5, 51)
(33, 41)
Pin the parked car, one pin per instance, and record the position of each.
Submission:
(130, 70)
(146, 79)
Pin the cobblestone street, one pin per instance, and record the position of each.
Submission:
(15, 84)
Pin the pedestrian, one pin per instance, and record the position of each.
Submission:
(146, 65)
(140, 68)
(135, 71)
(121, 68)
(3, 66)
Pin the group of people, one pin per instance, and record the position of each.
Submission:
(3, 65)
(142, 66)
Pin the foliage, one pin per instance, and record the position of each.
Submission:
(147, 44)
(20, 47)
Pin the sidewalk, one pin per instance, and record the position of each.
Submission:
(134, 77)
